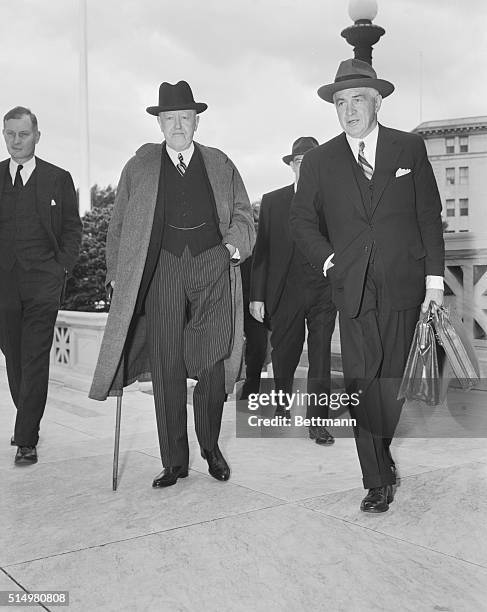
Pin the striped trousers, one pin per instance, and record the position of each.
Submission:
(189, 329)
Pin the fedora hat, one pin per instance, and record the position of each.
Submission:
(300, 147)
(353, 73)
(176, 97)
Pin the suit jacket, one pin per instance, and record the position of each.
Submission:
(127, 247)
(404, 224)
(60, 220)
(274, 249)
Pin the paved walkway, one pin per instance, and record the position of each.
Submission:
(284, 534)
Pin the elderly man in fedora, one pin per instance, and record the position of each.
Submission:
(367, 213)
(182, 223)
(287, 290)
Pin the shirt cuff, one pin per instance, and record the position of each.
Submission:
(235, 258)
(434, 282)
(327, 263)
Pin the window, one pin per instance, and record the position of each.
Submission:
(450, 176)
(463, 144)
(463, 207)
(463, 175)
(450, 145)
(450, 208)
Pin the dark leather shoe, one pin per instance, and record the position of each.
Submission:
(321, 435)
(377, 499)
(169, 476)
(26, 455)
(217, 466)
(285, 413)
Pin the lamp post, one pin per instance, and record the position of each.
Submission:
(363, 34)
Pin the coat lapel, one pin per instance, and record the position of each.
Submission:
(219, 175)
(45, 192)
(387, 152)
(3, 171)
(149, 181)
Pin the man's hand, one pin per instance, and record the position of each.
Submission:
(231, 249)
(432, 295)
(257, 310)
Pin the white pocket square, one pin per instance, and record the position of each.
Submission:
(402, 172)
(53, 203)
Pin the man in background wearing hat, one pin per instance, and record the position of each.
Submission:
(181, 224)
(367, 213)
(291, 293)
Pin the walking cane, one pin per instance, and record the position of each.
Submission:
(117, 443)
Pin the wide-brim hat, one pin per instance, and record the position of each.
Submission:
(354, 73)
(301, 146)
(176, 97)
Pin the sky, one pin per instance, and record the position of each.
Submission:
(257, 64)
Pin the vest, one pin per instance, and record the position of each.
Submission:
(367, 192)
(23, 238)
(189, 216)
(176, 240)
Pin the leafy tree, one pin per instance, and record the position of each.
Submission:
(85, 289)
(102, 196)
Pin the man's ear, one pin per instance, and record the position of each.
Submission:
(378, 102)
(196, 123)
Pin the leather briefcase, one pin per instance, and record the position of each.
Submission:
(421, 379)
(458, 349)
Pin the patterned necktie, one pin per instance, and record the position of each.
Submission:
(181, 166)
(18, 184)
(363, 163)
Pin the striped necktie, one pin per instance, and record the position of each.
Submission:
(363, 163)
(181, 166)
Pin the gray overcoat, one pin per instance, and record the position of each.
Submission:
(123, 354)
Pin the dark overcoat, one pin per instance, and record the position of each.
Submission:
(123, 354)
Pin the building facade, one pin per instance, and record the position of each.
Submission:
(457, 149)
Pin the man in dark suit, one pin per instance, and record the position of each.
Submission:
(292, 294)
(373, 191)
(40, 234)
(256, 333)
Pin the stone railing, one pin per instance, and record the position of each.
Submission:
(77, 340)
(466, 287)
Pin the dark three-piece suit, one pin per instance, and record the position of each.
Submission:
(40, 234)
(386, 236)
(294, 294)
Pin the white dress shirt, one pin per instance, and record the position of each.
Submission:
(370, 148)
(27, 169)
(187, 154)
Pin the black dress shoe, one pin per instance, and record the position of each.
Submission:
(217, 466)
(377, 499)
(169, 476)
(283, 412)
(26, 455)
(321, 435)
